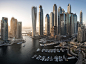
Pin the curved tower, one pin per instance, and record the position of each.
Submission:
(34, 17)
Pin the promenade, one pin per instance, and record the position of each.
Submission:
(80, 58)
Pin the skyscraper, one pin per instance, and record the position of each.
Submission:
(34, 17)
(55, 14)
(51, 20)
(40, 20)
(59, 22)
(81, 17)
(4, 28)
(63, 24)
(71, 24)
(75, 23)
(69, 8)
(63, 11)
(13, 27)
(19, 30)
(47, 24)
(68, 24)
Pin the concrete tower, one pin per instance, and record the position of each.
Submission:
(75, 23)
(40, 20)
(47, 24)
(51, 20)
(4, 28)
(81, 17)
(63, 11)
(13, 27)
(34, 17)
(19, 30)
(69, 8)
(59, 22)
(55, 14)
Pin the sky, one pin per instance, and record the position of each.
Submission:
(21, 9)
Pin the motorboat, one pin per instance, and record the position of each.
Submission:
(23, 45)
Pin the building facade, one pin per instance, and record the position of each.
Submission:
(69, 8)
(13, 27)
(55, 14)
(40, 20)
(51, 20)
(75, 23)
(19, 30)
(53, 31)
(63, 24)
(81, 33)
(34, 18)
(4, 28)
(59, 22)
(81, 17)
(47, 24)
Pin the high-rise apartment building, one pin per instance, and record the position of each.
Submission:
(69, 8)
(75, 23)
(55, 14)
(63, 24)
(4, 28)
(59, 22)
(81, 17)
(34, 18)
(19, 30)
(63, 11)
(47, 24)
(51, 20)
(13, 27)
(40, 20)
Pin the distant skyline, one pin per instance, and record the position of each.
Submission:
(21, 9)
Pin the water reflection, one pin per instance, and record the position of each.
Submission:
(3, 50)
(35, 43)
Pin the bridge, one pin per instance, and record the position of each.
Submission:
(25, 33)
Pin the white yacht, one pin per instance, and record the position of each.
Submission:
(23, 45)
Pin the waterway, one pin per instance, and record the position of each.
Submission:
(17, 54)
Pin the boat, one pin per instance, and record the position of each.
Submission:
(19, 43)
(34, 56)
(38, 49)
(23, 45)
(71, 57)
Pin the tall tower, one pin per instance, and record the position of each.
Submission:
(55, 14)
(40, 20)
(69, 8)
(47, 24)
(19, 30)
(63, 11)
(34, 17)
(13, 27)
(59, 22)
(75, 23)
(81, 20)
(4, 28)
(51, 20)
